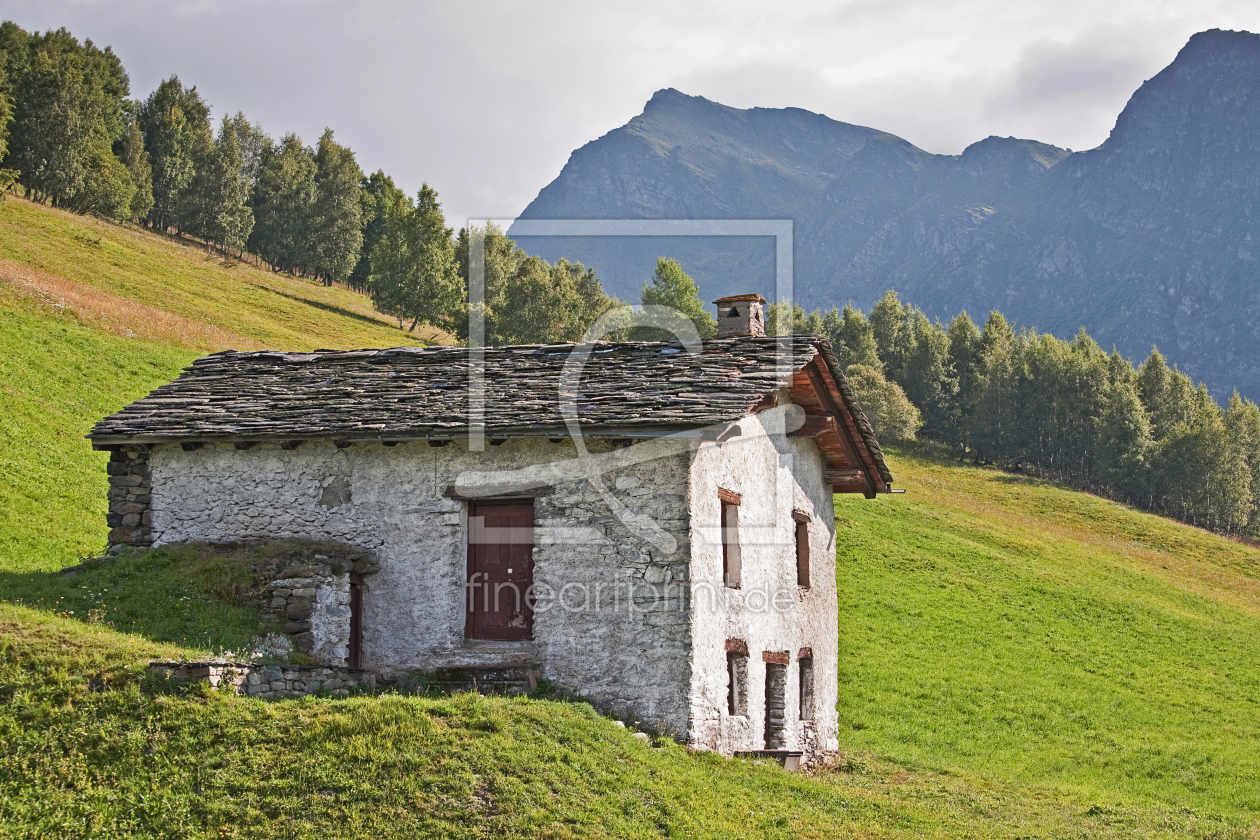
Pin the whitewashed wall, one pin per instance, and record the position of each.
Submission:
(773, 475)
(625, 626)
(632, 662)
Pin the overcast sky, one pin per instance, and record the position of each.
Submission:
(485, 100)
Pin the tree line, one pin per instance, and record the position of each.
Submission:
(1065, 410)
(70, 136)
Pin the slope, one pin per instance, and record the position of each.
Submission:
(1017, 660)
(1147, 239)
(129, 280)
(1020, 630)
(93, 315)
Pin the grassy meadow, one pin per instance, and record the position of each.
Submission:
(135, 283)
(1017, 660)
(1019, 630)
(95, 314)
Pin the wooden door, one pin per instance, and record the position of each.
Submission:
(500, 571)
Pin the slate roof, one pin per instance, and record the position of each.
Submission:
(410, 392)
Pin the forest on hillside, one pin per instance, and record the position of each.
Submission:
(1036, 404)
(71, 136)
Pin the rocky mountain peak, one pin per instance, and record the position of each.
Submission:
(1149, 239)
(1021, 158)
(1211, 85)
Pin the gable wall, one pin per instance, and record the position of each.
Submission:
(774, 475)
(617, 630)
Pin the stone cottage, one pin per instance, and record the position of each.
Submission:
(647, 525)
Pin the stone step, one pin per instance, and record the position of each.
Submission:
(485, 679)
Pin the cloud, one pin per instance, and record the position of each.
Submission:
(485, 101)
(1072, 92)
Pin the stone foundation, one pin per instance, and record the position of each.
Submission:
(269, 681)
(130, 519)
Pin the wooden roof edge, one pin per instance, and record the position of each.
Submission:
(866, 444)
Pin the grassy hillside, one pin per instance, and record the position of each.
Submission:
(956, 722)
(94, 315)
(1022, 631)
(128, 280)
(1017, 660)
(58, 378)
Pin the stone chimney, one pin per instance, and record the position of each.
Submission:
(741, 315)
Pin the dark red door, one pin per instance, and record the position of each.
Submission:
(500, 571)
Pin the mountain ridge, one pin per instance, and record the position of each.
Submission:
(1145, 240)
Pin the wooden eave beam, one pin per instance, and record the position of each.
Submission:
(816, 425)
(846, 481)
(855, 436)
(829, 403)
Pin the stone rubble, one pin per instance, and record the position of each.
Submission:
(313, 601)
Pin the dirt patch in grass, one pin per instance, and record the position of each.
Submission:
(61, 296)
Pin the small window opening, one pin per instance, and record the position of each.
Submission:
(737, 684)
(802, 549)
(776, 702)
(806, 669)
(734, 313)
(355, 649)
(730, 540)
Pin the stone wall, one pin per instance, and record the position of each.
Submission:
(773, 476)
(621, 637)
(313, 602)
(129, 518)
(268, 681)
(630, 559)
(619, 632)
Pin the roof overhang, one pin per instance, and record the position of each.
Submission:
(834, 421)
(716, 432)
(629, 391)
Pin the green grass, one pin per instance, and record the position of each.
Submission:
(195, 596)
(1017, 660)
(57, 378)
(134, 264)
(89, 749)
(1022, 631)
